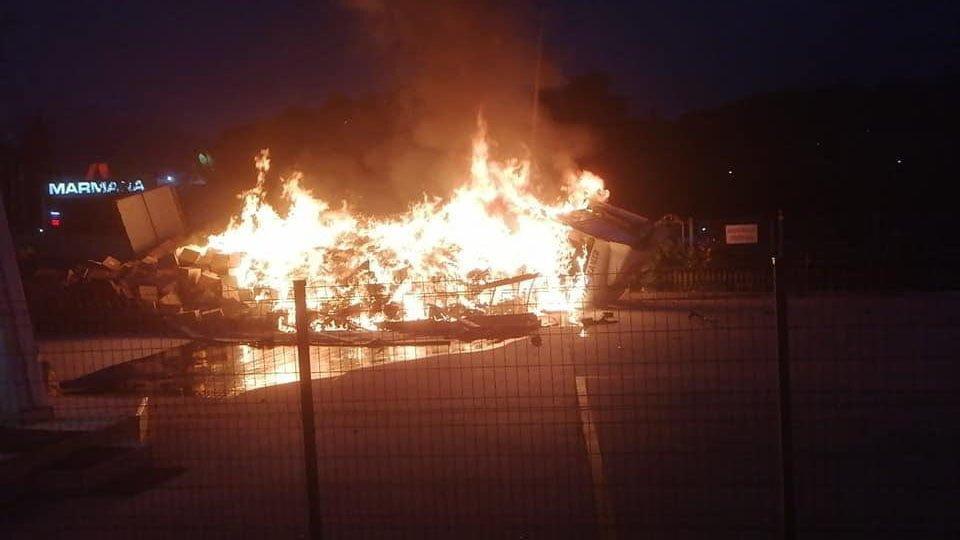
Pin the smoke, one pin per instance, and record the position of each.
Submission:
(445, 61)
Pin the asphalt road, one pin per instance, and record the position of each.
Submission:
(672, 434)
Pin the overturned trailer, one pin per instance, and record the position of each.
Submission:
(619, 244)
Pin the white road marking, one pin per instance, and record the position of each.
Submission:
(601, 499)
(143, 415)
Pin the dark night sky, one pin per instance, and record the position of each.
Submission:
(207, 64)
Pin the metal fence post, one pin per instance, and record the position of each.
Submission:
(306, 409)
(783, 372)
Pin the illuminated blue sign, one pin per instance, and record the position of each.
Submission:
(71, 188)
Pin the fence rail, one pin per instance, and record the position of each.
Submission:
(715, 279)
(808, 279)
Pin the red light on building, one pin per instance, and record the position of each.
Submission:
(55, 222)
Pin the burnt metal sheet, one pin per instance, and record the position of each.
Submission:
(610, 223)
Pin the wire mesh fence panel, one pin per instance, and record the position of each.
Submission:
(687, 414)
(876, 391)
(154, 433)
(516, 407)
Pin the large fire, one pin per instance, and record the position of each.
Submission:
(435, 261)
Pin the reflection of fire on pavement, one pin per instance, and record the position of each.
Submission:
(225, 370)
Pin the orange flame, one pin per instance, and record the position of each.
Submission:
(430, 261)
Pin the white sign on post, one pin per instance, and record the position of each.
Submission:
(746, 233)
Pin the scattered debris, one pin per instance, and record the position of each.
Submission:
(194, 292)
(604, 319)
(697, 316)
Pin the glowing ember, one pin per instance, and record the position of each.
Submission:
(431, 262)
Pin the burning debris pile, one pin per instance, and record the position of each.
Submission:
(492, 255)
